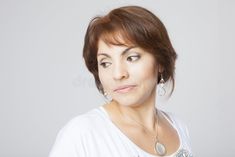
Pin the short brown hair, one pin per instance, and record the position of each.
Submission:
(130, 25)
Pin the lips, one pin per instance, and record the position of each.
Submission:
(124, 89)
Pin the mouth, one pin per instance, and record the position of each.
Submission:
(124, 89)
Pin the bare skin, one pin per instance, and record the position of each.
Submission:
(134, 92)
(166, 133)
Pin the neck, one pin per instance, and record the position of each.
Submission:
(145, 114)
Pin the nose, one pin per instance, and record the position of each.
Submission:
(120, 72)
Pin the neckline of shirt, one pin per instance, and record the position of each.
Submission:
(107, 117)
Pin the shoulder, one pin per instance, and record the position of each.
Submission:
(175, 120)
(83, 123)
(181, 128)
(177, 123)
(71, 139)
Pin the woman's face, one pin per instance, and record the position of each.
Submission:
(127, 74)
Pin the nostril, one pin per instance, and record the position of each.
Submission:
(120, 73)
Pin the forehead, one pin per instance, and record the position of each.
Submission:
(116, 39)
(109, 48)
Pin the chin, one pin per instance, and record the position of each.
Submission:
(126, 101)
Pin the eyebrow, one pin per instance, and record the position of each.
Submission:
(123, 52)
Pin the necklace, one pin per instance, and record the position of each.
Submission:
(159, 148)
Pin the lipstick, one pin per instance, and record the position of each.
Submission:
(124, 89)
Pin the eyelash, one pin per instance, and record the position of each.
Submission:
(136, 57)
(104, 64)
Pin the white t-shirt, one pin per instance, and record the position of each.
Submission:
(93, 134)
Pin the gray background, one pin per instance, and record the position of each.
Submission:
(44, 82)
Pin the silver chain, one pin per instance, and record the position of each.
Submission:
(155, 116)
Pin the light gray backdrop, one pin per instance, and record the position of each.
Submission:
(44, 82)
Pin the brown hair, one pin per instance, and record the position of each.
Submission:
(130, 25)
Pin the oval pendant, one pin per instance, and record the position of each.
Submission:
(160, 149)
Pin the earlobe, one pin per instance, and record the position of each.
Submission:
(107, 97)
(160, 69)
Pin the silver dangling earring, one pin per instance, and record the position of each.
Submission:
(161, 89)
(108, 98)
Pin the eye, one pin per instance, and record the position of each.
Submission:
(133, 58)
(105, 64)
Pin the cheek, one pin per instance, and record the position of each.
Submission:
(147, 71)
(103, 79)
(101, 76)
(149, 74)
(148, 79)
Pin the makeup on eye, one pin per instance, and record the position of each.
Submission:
(133, 58)
(130, 58)
(104, 64)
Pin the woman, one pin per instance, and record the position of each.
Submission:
(129, 53)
